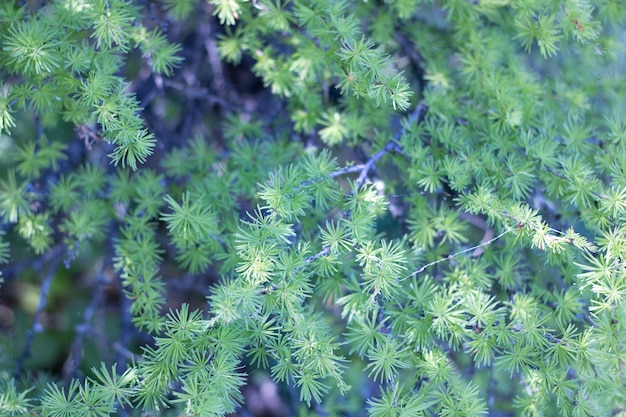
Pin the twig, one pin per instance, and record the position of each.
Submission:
(199, 93)
(319, 254)
(372, 161)
(85, 327)
(449, 257)
(71, 254)
(364, 169)
(38, 134)
(481, 224)
(551, 338)
(121, 347)
(414, 117)
(491, 390)
(339, 172)
(127, 355)
(218, 82)
(14, 271)
(37, 327)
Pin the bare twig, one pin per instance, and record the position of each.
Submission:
(84, 328)
(199, 94)
(481, 224)
(218, 82)
(121, 347)
(12, 272)
(451, 256)
(319, 254)
(364, 169)
(37, 326)
(369, 165)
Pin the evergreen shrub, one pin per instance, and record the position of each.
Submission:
(375, 208)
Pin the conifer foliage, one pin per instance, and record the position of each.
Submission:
(380, 208)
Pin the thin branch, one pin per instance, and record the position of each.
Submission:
(414, 117)
(369, 165)
(491, 390)
(13, 272)
(123, 352)
(481, 224)
(126, 328)
(218, 81)
(219, 240)
(319, 254)
(85, 327)
(361, 169)
(71, 254)
(199, 94)
(551, 338)
(364, 169)
(37, 326)
(450, 257)
(343, 171)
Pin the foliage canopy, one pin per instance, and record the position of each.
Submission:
(391, 208)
